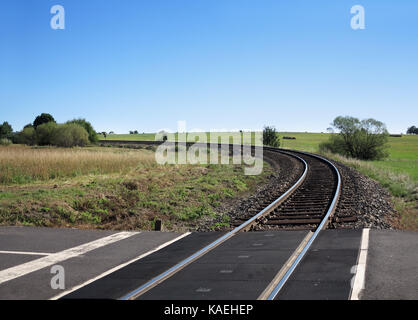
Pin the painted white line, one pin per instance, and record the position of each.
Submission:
(26, 253)
(62, 294)
(359, 278)
(35, 265)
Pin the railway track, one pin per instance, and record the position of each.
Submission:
(308, 204)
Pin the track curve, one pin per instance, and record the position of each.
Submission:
(307, 207)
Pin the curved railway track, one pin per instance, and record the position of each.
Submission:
(308, 204)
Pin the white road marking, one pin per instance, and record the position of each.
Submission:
(226, 271)
(204, 290)
(35, 265)
(62, 294)
(359, 278)
(26, 253)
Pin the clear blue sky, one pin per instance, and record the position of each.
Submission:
(218, 64)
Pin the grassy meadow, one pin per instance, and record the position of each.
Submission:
(114, 188)
(22, 165)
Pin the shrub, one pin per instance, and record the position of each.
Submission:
(270, 137)
(26, 136)
(45, 133)
(365, 140)
(5, 142)
(43, 118)
(70, 135)
(92, 134)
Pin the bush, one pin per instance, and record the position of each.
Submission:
(45, 133)
(26, 136)
(70, 135)
(270, 137)
(5, 142)
(92, 134)
(364, 140)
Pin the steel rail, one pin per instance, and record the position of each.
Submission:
(165, 275)
(314, 235)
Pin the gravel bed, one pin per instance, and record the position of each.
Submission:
(364, 199)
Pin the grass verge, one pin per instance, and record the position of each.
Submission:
(127, 191)
(402, 187)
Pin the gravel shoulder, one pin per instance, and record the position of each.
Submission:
(364, 201)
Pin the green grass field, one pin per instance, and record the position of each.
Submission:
(130, 137)
(403, 151)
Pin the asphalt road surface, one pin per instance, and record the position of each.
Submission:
(110, 264)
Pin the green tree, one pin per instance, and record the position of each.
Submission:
(270, 137)
(412, 130)
(43, 118)
(6, 130)
(364, 139)
(93, 138)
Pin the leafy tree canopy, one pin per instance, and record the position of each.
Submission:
(43, 118)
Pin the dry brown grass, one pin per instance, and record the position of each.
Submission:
(22, 164)
(129, 192)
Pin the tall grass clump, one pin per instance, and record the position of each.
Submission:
(399, 184)
(23, 164)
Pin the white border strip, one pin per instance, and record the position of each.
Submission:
(38, 264)
(359, 278)
(26, 253)
(119, 267)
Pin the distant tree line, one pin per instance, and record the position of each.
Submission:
(45, 131)
(412, 130)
